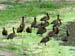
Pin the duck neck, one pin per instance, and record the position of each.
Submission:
(35, 19)
(67, 33)
(13, 31)
(23, 20)
(48, 16)
(58, 17)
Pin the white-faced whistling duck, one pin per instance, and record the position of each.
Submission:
(56, 22)
(22, 26)
(11, 35)
(65, 39)
(4, 32)
(45, 40)
(34, 23)
(41, 30)
(29, 30)
(45, 18)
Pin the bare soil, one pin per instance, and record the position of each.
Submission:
(3, 6)
(71, 27)
(6, 53)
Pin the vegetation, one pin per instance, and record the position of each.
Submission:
(29, 9)
(27, 44)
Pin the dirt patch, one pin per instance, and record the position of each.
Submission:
(6, 53)
(71, 27)
(3, 44)
(3, 6)
(2, 0)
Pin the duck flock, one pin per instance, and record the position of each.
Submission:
(41, 29)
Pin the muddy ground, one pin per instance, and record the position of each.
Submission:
(71, 27)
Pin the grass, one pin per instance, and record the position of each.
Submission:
(28, 44)
(29, 9)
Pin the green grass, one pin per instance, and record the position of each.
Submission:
(29, 9)
(29, 43)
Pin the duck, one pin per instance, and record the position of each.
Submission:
(45, 18)
(11, 35)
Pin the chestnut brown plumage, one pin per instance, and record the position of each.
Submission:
(29, 30)
(45, 40)
(21, 27)
(45, 24)
(39, 25)
(56, 22)
(41, 30)
(45, 18)
(34, 23)
(65, 39)
(4, 32)
(11, 35)
(56, 30)
(51, 34)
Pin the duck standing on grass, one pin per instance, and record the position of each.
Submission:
(11, 35)
(56, 22)
(45, 18)
(4, 32)
(45, 40)
(22, 26)
(41, 30)
(65, 39)
(29, 30)
(34, 23)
